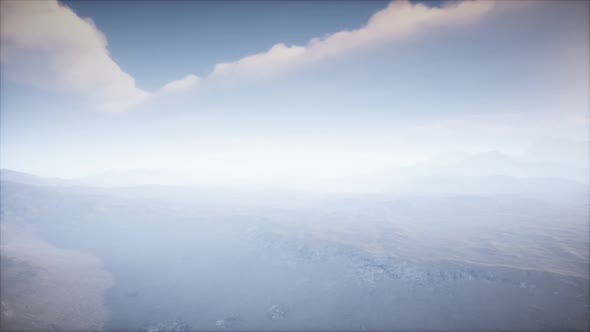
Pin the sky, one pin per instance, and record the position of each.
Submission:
(261, 89)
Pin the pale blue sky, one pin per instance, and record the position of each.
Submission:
(477, 79)
(195, 35)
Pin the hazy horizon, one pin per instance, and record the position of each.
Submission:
(176, 166)
(350, 94)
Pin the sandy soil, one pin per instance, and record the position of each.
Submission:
(45, 288)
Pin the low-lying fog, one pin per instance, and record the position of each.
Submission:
(480, 243)
(404, 165)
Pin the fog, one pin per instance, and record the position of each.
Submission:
(361, 168)
(474, 242)
(318, 236)
(294, 165)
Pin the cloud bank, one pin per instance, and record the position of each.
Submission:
(46, 44)
(188, 82)
(398, 20)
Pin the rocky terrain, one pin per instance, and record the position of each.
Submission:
(370, 263)
(45, 288)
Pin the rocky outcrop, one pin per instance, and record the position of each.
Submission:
(371, 269)
(276, 312)
(176, 325)
(227, 323)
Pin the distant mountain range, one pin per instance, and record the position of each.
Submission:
(487, 173)
(135, 177)
(24, 178)
(495, 163)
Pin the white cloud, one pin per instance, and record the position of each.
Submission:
(183, 84)
(48, 45)
(260, 65)
(399, 20)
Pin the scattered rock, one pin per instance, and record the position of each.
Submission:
(227, 323)
(276, 312)
(177, 325)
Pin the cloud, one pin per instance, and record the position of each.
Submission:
(260, 65)
(46, 44)
(183, 84)
(398, 20)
